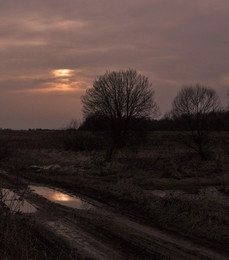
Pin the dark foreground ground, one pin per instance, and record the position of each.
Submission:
(153, 198)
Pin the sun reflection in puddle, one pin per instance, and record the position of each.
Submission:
(61, 198)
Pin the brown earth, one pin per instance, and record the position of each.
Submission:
(128, 239)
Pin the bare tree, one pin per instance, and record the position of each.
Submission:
(72, 125)
(123, 94)
(193, 107)
(121, 98)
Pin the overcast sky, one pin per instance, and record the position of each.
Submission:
(52, 50)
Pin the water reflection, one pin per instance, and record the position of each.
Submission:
(16, 203)
(60, 197)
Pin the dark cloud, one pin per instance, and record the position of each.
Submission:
(173, 42)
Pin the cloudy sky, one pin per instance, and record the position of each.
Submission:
(52, 50)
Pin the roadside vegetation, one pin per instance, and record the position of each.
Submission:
(21, 238)
(193, 206)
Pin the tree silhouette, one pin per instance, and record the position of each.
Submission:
(123, 99)
(193, 108)
(118, 95)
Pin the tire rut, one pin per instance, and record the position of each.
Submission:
(60, 220)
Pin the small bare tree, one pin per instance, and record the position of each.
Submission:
(192, 108)
(72, 125)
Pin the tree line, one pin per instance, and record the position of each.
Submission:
(127, 96)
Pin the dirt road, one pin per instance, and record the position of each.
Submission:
(102, 233)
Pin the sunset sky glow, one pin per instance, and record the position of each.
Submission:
(51, 51)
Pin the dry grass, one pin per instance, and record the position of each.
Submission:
(126, 181)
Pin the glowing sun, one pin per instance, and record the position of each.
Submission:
(62, 73)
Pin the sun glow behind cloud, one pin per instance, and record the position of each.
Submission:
(59, 73)
(56, 80)
(60, 80)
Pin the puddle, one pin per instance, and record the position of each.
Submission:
(209, 193)
(16, 203)
(167, 193)
(159, 193)
(54, 167)
(61, 198)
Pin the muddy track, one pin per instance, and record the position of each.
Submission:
(125, 239)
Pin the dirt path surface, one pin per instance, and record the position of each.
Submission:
(88, 246)
(103, 234)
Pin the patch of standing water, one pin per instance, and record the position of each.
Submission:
(159, 193)
(15, 202)
(61, 198)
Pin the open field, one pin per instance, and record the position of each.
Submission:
(154, 198)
